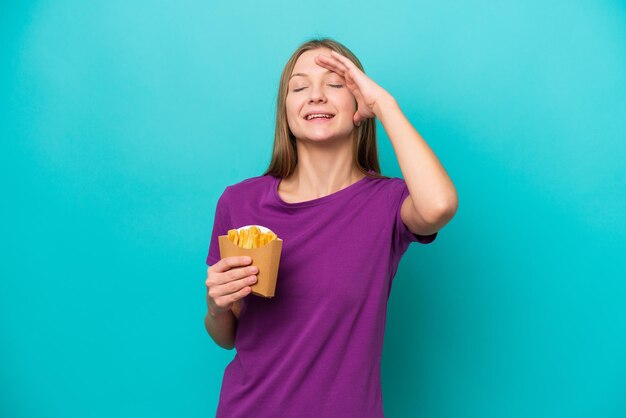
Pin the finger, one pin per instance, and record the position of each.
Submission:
(241, 294)
(232, 275)
(344, 60)
(361, 114)
(241, 272)
(360, 101)
(324, 62)
(358, 118)
(340, 69)
(228, 263)
(333, 64)
(353, 76)
(236, 285)
(222, 291)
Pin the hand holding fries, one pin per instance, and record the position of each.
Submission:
(263, 246)
(228, 281)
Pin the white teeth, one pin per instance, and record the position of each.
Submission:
(319, 115)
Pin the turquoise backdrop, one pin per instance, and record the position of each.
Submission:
(122, 122)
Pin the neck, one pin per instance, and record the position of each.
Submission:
(324, 168)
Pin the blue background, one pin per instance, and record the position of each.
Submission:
(122, 122)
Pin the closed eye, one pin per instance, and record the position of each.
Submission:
(337, 86)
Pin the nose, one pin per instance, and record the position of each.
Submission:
(317, 94)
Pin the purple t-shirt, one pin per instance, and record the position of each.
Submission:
(314, 349)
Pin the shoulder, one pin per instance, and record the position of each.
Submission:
(389, 184)
(248, 186)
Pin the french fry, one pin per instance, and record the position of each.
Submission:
(251, 237)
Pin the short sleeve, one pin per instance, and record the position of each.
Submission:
(221, 222)
(402, 236)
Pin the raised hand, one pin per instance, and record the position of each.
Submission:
(366, 92)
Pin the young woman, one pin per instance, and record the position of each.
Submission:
(314, 349)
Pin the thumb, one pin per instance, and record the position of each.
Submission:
(358, 118)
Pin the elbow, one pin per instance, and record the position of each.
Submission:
(223, 335)
(442, 214)
(226, 345)
(447, 207)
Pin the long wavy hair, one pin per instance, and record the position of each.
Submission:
(284, 154)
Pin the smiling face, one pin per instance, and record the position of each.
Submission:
(314, 89)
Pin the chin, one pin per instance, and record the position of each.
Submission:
(346, 132)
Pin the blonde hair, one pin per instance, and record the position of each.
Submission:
(284, 154)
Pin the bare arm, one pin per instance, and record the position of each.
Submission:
(222, 328)
(433, 198)
(228, 281)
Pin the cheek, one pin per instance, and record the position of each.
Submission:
(292, 112)
(289, 107)
(291, 103)
(347, 100)
(349, 103)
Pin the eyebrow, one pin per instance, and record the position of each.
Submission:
(305, 75)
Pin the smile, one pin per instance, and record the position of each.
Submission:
(320, 117)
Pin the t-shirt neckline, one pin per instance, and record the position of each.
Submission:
(320, 200)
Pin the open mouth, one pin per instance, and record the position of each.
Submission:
(317, 117)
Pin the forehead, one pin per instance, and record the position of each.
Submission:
(306, 61)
